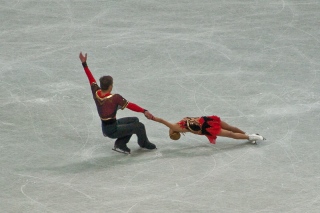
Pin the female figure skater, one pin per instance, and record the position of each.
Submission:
(210, 126)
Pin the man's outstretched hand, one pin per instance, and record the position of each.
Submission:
(83, 58)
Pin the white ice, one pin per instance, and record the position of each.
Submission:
(254, 63)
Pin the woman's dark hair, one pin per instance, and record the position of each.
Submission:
(106, 82)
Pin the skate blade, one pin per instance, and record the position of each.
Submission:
(148, 149)
(255, 142)
(120, 151)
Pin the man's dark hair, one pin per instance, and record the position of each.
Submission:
(106, 82)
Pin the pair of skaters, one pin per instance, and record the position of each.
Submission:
(123, 128)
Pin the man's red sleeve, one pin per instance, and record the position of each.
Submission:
(88, 72)
(135, 107)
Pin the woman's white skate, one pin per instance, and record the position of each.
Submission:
(253, 138)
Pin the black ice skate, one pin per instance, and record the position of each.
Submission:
(121, 148)
(148, 145)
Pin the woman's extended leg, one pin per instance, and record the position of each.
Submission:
(234, 135)
(228, 127)
(237, 135)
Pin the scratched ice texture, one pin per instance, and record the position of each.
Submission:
(253, 63)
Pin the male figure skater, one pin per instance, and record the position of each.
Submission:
(107, 105)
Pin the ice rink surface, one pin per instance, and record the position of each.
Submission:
(253, 63)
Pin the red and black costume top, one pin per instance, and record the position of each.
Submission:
(108, 104)
(210, 126)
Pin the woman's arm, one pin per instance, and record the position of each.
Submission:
(174, 127)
